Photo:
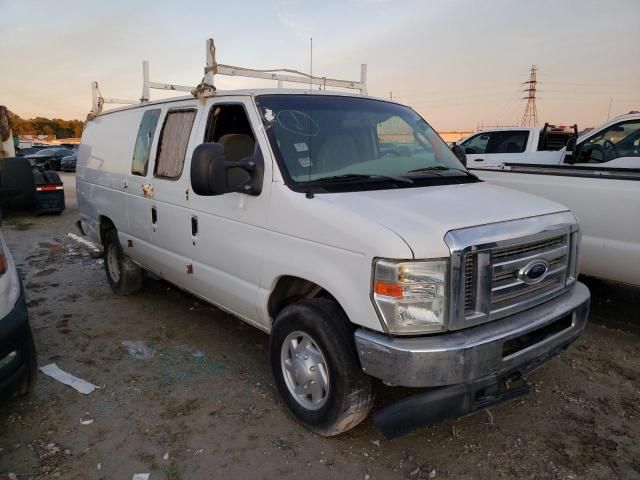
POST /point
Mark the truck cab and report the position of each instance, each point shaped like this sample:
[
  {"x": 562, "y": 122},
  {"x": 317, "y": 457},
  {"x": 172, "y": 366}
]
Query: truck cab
[
  {"x": 615, "y": 144},
  {"x": 493, "y": 148}
]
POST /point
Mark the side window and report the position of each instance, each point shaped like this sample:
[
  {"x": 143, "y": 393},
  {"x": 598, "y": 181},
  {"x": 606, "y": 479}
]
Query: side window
[
  {"x": 144, "y": 140},
  {"x": 172, "y": 146},
  {"x": 229, "y": 126},
  {"x": 508, "y": 142},
  {"x": 620, "y": 140},
  {"x": 477, "y": 144}
]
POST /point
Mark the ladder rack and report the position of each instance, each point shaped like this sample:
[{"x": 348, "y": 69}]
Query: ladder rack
[{"x": 207, "y": 87}]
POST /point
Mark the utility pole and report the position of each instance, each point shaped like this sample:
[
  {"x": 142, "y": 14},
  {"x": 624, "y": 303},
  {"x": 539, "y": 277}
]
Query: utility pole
[{"x": 530, "y": 117}]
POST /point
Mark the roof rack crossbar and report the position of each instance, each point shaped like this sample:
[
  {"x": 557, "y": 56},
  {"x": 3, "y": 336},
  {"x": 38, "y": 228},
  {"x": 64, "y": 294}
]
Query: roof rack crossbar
[{"x": 212, "y": 68}]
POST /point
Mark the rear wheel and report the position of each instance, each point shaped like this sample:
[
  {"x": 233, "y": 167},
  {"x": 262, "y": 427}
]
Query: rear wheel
[
  {"x": 125, "y": 277},
  {"x": 316, "y": 367}
]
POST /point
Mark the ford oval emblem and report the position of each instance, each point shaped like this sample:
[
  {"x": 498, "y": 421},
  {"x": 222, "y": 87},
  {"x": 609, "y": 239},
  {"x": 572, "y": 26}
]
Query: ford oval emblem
[{"x": 534, "y": 272}]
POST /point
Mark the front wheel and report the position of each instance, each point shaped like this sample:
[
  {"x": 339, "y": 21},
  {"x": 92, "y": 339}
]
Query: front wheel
[
  {"x": 125, "y": 277},
  {"x": 316, "y": 367}
]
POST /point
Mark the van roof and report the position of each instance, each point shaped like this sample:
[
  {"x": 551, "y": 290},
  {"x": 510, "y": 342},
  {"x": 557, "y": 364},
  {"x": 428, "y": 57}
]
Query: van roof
[{"x": 253, "y": 92}]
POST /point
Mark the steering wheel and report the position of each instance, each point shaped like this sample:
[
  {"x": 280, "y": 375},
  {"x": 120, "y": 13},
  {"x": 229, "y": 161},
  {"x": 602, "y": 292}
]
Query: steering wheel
[{"x": 609, "y": 150}]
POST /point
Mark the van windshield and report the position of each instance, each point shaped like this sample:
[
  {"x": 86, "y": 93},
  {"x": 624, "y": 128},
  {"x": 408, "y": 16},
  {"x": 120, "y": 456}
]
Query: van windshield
[{"x": 324, "y": 140}]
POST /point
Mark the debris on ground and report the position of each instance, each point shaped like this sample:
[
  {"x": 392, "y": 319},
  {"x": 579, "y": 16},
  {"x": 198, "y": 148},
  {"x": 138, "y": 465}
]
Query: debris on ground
[
  {"x": 138, "y": 349},
  {"x": 80, "y": 385}
]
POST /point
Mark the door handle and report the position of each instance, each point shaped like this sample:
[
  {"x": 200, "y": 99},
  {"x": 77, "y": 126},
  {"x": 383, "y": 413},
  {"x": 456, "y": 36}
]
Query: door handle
[
  {"x": 154, "y": 215},
  {"x": 478, "y": 159},
  {"x": 194, "y": 226}
]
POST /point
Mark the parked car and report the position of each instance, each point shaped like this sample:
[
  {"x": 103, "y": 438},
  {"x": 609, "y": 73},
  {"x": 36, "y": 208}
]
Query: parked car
[
  {"x": 494, "y": 147},
  {"x": 49, "y": 158},
  {"x": 601, "y": 185},
  {"x": 23, "y": 152},
  {"x": 362, "y": 260},
  {"x": 18, "y": 365},
  {"x": 68, "y": 163}
]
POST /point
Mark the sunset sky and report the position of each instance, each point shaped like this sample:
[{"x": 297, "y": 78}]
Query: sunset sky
[{"x": 458, "y": 63}]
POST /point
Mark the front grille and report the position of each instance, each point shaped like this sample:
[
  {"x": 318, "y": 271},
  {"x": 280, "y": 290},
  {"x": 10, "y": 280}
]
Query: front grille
[
  {"x": 469, "y": 281},
  {"x": 506, "y": 290}
]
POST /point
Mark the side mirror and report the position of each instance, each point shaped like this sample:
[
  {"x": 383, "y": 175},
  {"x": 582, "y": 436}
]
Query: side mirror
[
  {"x": 210, "y": 171},
  {"x": 570, "y": 147},
  {"x": 459, "y": 152}
]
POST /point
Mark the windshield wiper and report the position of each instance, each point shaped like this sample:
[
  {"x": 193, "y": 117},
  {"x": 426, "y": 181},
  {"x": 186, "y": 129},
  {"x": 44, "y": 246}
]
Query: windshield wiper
[
  {"x": 354, "y": 177},
  {"x": 441, "y": 169}
]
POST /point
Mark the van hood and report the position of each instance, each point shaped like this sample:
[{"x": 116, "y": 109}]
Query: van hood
[{"x": 423, "y": 216}]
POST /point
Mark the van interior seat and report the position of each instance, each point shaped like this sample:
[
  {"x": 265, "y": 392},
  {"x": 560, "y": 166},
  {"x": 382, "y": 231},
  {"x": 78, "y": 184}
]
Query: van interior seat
[
  {"x": 338, "y": 151},
  {"x": 236, "y": 147}
]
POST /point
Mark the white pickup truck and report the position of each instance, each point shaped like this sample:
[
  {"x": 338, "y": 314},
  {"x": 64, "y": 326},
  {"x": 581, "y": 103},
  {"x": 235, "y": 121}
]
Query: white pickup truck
[
  {"x": 494, "y": 147},
  {"x": 601, "y": 185},
  {"x": 344, "y": 227}
]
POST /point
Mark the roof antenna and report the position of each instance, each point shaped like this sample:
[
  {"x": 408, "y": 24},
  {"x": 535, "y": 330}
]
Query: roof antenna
[{"x": 311, "y": 66}]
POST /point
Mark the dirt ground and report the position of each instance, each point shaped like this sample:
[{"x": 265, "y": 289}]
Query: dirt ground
[{"x": 199, "y": 402}]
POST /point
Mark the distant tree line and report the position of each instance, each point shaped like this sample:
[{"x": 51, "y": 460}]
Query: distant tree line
[{"x": 46, "y": 126}]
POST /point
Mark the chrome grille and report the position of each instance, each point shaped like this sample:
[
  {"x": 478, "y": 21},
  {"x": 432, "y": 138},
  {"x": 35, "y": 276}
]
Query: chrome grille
[
  {"x": 509, "y": 290},
  {"x": 469, "y": 281}
]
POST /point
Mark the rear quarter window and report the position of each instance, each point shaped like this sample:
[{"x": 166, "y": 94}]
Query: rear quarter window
[
  {"x": 144, "y": 140},
  {"x": 173, "y": 143}
]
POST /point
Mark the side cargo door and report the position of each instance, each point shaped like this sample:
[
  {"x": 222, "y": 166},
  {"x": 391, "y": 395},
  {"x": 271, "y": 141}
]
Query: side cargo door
[
  {"x": 170, "y": 235},
  {"x": 137, "y": 188}
]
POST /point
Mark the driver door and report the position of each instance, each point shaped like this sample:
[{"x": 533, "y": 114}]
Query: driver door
[
  {"x": 476, "y": 148},
  {"x": 617, "y": 146}
]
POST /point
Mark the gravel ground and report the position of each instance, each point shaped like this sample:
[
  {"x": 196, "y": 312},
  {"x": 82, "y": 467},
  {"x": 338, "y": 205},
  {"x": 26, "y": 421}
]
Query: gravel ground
[{"x": 194, "y": 398}]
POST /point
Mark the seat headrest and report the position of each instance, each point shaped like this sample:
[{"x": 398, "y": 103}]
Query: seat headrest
[{"x": 237, "y": 146}]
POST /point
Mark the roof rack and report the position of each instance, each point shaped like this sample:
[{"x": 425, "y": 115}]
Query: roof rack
[{"x": 207, "y": 87}]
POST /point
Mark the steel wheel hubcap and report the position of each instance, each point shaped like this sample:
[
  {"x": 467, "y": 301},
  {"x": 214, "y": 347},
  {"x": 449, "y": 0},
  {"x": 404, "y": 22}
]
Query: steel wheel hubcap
[
  {"x": 305, "y": 370},
  {"x": 112, "y": 263}
]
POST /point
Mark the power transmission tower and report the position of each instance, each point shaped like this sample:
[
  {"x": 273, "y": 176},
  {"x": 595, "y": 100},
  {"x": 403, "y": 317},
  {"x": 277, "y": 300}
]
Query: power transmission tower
[{"x": 530, "y": 117}]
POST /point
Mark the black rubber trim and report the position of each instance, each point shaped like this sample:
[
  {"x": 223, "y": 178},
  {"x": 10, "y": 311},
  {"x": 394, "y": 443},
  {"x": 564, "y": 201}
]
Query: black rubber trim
[{"x": 439, "y": 404}]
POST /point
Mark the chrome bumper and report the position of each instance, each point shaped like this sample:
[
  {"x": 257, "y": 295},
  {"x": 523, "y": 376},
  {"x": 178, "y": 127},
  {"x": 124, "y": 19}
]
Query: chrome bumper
[{"x": 471, "y": 354}]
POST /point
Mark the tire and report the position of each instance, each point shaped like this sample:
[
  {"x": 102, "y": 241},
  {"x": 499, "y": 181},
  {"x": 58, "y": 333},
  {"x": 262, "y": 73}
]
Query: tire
[
  {"x": 348, "y": 396},
  {"x": 124, "y": 276},
  {"x": 30, "y": 380}
]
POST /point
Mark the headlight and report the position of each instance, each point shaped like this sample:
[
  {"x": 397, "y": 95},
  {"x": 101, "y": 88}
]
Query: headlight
[{"x": 410, "y": 296}]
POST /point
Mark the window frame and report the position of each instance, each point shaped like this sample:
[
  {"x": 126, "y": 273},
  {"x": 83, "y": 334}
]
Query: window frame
[
  {"x": 470, "y": 139},
  {"x": 159, "y": 146},
  {"x": 601, "y": 135},
  {"x": 155, "y": 129},
  {"x": 508, "y": 132},
  {"x": 223, "y": 103}
]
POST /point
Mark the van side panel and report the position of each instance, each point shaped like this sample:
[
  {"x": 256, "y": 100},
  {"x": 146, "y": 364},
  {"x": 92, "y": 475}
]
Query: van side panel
[{"x": 104, "y": 160}]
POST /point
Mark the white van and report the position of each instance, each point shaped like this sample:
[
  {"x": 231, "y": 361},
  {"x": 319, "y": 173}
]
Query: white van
[{"x": 345, "y": 227}]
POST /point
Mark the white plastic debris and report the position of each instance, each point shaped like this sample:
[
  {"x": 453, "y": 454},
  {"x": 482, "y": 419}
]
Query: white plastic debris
[
  {"x": 165, "y": 456},
  {"x": 80, "y": 385},
  {"x": 84, "y": 241},
  {"x": 140, "y": 476},
  {"x": 138, "y": 349},
  {"x": 86, "y": 422}
]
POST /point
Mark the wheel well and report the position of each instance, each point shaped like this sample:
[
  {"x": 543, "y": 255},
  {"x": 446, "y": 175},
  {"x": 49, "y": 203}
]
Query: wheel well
[
  {"x": 105, "y": 225},
  {"x": 290, "y": 289}
]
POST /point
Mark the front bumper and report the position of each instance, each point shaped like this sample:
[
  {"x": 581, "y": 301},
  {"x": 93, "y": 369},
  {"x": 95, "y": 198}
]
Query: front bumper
[
  {"x": 511, "y": 344},
  {"x": 17, "y": 353}
]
